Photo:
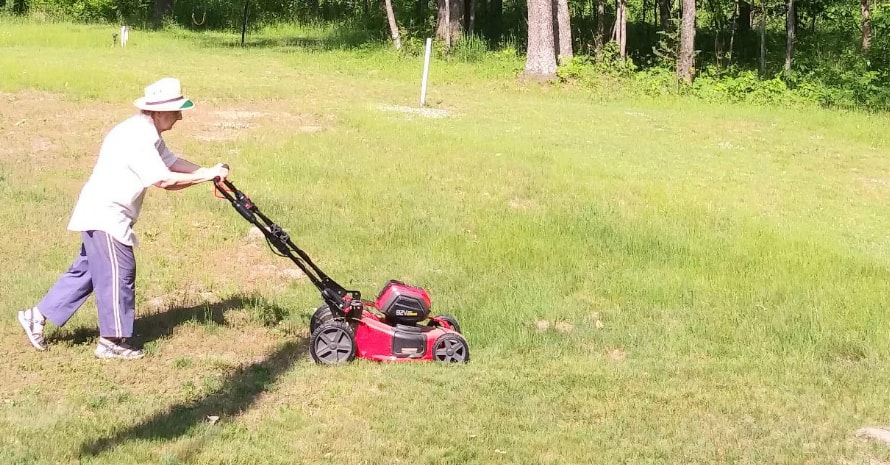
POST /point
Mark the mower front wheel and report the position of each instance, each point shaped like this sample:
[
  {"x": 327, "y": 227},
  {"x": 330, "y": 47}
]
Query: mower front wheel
[
  {"x": 332, "y": 342},
  {"x": 451, "y": 348}
]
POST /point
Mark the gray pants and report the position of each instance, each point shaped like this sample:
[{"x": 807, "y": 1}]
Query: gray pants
[{"x": 106, "y": 267}]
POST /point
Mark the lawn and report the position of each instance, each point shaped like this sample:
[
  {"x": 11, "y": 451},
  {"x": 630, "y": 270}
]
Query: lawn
[{"x": 641, "y": 280}]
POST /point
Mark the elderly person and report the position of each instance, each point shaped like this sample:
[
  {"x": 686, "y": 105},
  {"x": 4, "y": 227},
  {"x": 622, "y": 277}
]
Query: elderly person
[{"x": 133, "y": 158}]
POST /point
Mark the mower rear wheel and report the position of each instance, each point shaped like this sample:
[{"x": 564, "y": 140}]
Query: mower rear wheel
[
  {"x": 451, "y": 348},
  {"x": 332, "y": 343},
  {"x": 447, "y": 318},
  {"x": 322, "y": 314}
]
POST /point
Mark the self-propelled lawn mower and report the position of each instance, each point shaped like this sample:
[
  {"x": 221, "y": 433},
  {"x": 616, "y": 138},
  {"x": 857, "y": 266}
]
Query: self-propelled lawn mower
[{"x": 396, "y": 326}]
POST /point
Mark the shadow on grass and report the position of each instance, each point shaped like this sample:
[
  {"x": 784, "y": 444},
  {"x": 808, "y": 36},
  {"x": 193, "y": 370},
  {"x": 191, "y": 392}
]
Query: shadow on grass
[
  {"x": 338, "y": 39},
  {"x": 155, "y": 326},
  {"x": 239, "y": 390}
]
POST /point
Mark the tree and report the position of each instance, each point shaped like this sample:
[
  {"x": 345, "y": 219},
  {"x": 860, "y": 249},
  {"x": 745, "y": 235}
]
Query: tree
[
  {"x": 600, "y": 36},
  {"x": 540, "y": 60},
  {"x": 449, "y": 14},
  {"x": 495, "y": 20},
  {"x": 790, "y": 32},
  {"x": 563, "y": 31},
  {"x": 686, "y": 59},
  {"x": 664, "y": 14},
  {"x": 163, "y": 8},
  {"x": 620, "y": 33},
  {"x": 865, "y": 10},
  {"x": 393, "y": 26},
  {"x": 762, "y": 38}
]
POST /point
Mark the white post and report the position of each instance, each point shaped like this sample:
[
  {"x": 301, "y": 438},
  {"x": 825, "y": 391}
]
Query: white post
[
  {"x": 426, "y": 70},
  {"x": 125, "y": 35}
]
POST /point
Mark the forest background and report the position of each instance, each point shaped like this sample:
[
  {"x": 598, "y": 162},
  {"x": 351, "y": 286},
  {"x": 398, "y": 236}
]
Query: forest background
[{"x": 831, "y": 53}]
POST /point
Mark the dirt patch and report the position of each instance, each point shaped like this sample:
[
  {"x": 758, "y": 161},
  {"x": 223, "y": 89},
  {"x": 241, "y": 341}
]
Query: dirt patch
[
  {"x": 258, "y": 269},
  {"x": 214, "y": 125},
  {"x": 522, "y": 204},
  {"x": 46, "y": 129},
  {"x": 424, "y": 112}
]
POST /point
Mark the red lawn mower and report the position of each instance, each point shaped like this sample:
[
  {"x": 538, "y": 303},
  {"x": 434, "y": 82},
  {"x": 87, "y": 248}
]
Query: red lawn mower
[{"x": 395, "y": 327}]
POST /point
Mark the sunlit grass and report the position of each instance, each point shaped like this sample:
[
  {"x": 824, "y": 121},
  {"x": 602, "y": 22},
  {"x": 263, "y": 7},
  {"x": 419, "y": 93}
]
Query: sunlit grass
[{"x": 641, "y": 281}]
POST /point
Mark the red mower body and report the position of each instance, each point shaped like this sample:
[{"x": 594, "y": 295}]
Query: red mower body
[
  {"x": 380, "y": 341},
  {"x": 396, "y": 327}
]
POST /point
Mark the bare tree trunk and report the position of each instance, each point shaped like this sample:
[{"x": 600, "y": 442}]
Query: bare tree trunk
[
  {"x": 393, "y": 26},
  {"x": 494, "y": 19},
  {"x": 664, "y": 14},
  {"x": 600, "y": 26},
  {"x": 449, "y": 33},
  {"x": 420, "y": 10},
  {"x": 865, "y": 9},
  {"x": 563, "y": 31},
  {"x": 790, "y": 30},
  {"x": 163, "y": 8},
  {"x": 620, "y": 30},
  {"x": 471, "y": 16},
  {"x": 686, "y": 58},
  {"x": 762, "y": 38},
  {"x": 541, "y": 51},
  {"x": 743, "y": 16},
  {"x": 735, "y": 26},
  {"x": 449, "y": 14}
]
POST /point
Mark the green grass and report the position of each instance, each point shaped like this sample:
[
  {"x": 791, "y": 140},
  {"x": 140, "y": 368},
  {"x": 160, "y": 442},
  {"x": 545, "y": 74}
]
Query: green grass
[{"x": 714, "y": 278}]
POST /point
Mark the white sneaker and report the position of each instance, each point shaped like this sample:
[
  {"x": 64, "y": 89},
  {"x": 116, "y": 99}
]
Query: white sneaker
[
  {"x": 33, "y": 322},
  {"x": 110, "y": 349}
]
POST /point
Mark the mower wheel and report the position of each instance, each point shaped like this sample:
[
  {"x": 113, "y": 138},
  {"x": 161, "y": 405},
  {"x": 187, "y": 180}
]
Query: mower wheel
[
  {"x": 332, "y": 343},
  {"x": 322, "y": 314},
  {"x": 448, "y": 318},
  {"x": 451, "y": 348}
]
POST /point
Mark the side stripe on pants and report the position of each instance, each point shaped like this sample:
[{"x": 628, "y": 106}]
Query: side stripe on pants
[{"x": 105, "y": 267}]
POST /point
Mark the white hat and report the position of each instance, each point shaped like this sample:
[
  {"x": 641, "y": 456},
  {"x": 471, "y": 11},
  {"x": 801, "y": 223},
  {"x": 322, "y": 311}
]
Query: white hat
[{"x": 164, "y": 95}]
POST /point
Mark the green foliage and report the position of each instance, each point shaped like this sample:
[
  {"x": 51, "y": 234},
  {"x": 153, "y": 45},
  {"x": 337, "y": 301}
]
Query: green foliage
[
  {"x": 667, "y": 49},
  {"x": 588, "y": 69},
  {"x": 469, "y": 49},
  {"x": 93, "y": 11}
]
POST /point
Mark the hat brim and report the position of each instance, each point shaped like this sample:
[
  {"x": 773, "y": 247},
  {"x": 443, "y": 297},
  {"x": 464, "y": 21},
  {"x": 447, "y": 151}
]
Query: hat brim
[{"x": 176, "y": 105}]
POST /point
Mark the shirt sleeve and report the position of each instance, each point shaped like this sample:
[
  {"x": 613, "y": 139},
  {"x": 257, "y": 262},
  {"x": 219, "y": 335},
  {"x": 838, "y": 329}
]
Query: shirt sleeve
[
  {"x": 148, "y": 164},
  {"x": 167, "y": 156}
]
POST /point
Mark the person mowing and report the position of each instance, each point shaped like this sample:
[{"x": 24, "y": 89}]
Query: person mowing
[{"x": 133, "y": 157}]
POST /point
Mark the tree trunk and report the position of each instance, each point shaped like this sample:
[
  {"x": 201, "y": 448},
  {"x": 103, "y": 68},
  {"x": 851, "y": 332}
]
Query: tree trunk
[
  {"x": 621, "y": 26},
  {"x": 540, "y": 59},
  {"x": 790, "y": 30},
  {"x": 735, "y": 28},
  {"x": 470, "y": 19},
  {"x": 686, "y": 59},
  {"x": 494, "y": 20},
  {"x": 743, "y": 16},
  {"x": 393, "y": 26},
  {"x": 163, "y": 8},
  {"x": 664, "y": 14},
  {"x": 449, "y": 14},
  {"x": 420, "y": 10},
  {"x": 563, "y": 31},
  {"x": 762, "y": 38},
  {"x": 600, "y": 38},
  {"x": 865, "y": 9}
]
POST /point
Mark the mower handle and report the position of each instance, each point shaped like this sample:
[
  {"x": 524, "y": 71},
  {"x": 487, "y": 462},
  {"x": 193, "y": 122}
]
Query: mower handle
[
  {"x": 216, "y": 178},
  {"x": 333, "y": 293}
]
